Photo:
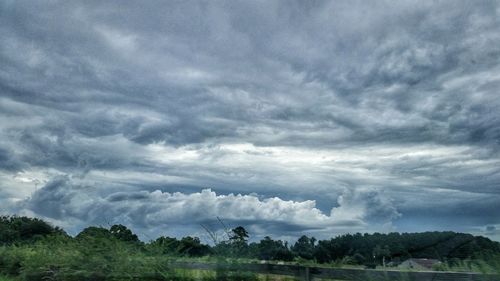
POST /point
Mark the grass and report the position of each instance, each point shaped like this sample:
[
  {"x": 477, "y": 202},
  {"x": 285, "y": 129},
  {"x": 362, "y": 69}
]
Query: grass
[
  {"x": 59, "y": 259},
  {"x": 7, "y": 278}
]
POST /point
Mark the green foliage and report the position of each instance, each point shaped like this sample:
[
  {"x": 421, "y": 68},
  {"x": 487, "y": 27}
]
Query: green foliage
[
  {"x": 304, "y": 247},
  {"x": 6, "y": 278},
  {"x": 32, "y": 250},
  {"x": 395, "y": 246},
  {"x": 164, "y": 245},
  {"x": 122, "y": 233},
  {"x": 24, "y": 229},
  {"x": 10, "y": 259},
  {"x": 94, "y": 232},
  {"x": 239, "y": 234},
  {"x": 187, "y": 246},
  {"x": 191, "y": 246},
  {"x": 91, "y": 258},
  {"x": 269, "y": 249},
  {"x": 488, "y": 264}
]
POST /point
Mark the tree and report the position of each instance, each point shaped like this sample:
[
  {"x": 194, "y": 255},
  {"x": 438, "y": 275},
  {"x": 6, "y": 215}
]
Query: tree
[
  {"x": 122, "y": 233},
  {"x": 379, "y": 253},
  {"x": 269, "y": 249},
  {"x": 165, "y": 245},
  {"x": 358, "y": 258},
  {"x": 94, "y": 232},
  {"x": 24, "y": 229},
  {"x": 239, "y": 234},
  {"x": 191, "y": 246},
  {"x": 304, "y": 247},
  {"x": 237, "y": 245}
]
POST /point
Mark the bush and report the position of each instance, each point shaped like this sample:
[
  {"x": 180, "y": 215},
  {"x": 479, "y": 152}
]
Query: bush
[
  {"x": 11, "y": 259},
  {"x": 89, "y": 258}
]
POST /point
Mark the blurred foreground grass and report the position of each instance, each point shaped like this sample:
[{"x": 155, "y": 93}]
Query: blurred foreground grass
[{"x": 61, "y": 258}]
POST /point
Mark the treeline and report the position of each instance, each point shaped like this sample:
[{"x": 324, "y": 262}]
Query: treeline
[
  {"x": 28, "y": 245},
  {"x": 355, "y": 248},
  {"x": 364, "y": 249}
]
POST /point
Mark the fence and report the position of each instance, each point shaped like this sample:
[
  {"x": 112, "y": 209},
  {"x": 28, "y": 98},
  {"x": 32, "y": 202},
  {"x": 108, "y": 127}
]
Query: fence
[{"x": 306, "y": 273}]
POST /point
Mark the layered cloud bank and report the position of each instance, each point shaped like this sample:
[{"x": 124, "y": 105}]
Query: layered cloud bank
[
  {"x": 74, "y": 205},
  {"x": 325, "y": 117}
]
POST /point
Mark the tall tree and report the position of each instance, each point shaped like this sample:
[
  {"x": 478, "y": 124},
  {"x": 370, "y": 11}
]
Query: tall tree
[
  {"x": 239, "y": 234},
  {"x": 304, "y": 247}
]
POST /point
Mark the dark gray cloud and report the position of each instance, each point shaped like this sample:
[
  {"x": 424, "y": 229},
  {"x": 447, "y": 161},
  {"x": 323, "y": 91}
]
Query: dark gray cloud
[
  {"x": 65, "y": 199},
  {"x": 385, "y": 105},
  {"x": 8, "y": 160}
]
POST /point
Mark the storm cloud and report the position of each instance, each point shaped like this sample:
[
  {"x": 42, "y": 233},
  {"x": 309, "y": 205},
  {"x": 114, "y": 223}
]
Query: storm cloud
[
  {"x": 64, "y": 200},
  {"x": 284, "y": 116}
]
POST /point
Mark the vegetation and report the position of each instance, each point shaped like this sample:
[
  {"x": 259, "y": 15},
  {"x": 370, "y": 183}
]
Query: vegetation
[{"x": 31, "y": 249}]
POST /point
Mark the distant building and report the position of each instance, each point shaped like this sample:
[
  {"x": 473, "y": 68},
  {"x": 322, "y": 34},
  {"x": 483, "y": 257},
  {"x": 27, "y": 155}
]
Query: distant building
[{"x": 418, "y": 264}]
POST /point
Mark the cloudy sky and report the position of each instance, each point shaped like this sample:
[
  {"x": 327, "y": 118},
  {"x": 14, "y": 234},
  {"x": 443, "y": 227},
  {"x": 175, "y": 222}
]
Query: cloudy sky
[{"x": 286, "y": 117}]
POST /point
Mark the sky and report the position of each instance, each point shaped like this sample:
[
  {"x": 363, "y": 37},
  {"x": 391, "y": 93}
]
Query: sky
[{"x": 285, "y": 117}]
